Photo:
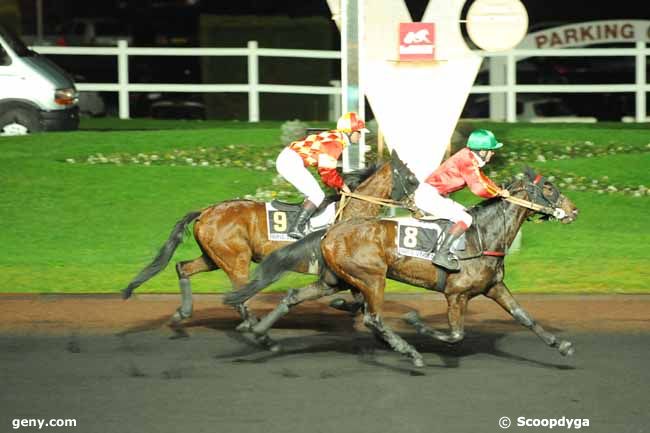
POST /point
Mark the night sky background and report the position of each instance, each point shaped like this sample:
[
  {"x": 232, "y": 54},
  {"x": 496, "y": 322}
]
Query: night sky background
[
  {"x": 540, "y": 11},
  {"x": 147, "y": 19}
]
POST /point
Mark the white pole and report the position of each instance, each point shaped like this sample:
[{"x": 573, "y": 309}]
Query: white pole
[
  {"x": 344, "y": 56},
  {"x": 362, "y": 96},
  {"x": 640, "y": 82},
  {"x": 253, "y": 83},
  {"x": 345, "y": 61},
  {"x": 335, "y": 102},
  {"x": 123, "y": 78},
  {"x": 511, "y": 94}
]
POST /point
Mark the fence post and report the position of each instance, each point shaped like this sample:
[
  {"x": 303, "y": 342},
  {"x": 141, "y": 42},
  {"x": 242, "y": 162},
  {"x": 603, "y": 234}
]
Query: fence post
[
  {"x": 511, "y": 93},
  {"x": 640, "y": 82},
  {"x": 253, "y": 81},
  {"x": 335, "y": 102},
  {"x": 123, "y": 79}
]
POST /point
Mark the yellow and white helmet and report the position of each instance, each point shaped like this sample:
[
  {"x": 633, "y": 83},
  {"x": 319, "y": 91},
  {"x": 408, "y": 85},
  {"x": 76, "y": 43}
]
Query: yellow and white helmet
[{"x": 350, "y": 123}]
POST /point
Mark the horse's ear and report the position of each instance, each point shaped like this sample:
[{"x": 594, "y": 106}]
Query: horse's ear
[{"x": 530, "y": 173}]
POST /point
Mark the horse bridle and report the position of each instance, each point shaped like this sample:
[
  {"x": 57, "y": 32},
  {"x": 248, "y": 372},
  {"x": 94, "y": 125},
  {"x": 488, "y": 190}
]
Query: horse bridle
[
  {"x": 535, "y": 191},
  {"x": 537, "y": 200}
]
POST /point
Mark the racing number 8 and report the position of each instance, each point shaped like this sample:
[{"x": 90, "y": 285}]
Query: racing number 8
[
  {"x": 280, "y": 221},
  {"x": 410, "y": 237}
]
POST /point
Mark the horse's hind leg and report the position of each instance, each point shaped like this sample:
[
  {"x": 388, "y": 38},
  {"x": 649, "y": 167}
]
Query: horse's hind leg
[
  {"x": 185, "y": 270},
  {"x": 457, "y": 306},
  {"x": 500, "y": 293},
  {"x": 294, "y": 297},
  {"x": 351, "y": 307}
]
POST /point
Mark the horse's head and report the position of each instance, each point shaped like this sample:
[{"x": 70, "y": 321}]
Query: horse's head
[{"x": 540, "y": 191}]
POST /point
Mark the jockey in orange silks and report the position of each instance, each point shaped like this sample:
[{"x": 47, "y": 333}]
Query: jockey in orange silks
[{"x": 322, "y": 151}]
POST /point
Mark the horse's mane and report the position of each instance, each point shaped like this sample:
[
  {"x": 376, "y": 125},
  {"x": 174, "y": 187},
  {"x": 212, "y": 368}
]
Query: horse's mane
[{"x": 355, "y": 178}]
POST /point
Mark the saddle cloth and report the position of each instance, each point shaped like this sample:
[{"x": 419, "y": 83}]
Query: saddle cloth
[
  {"x": 418, "y": 238},
  {"x": 280, "y": 216}
]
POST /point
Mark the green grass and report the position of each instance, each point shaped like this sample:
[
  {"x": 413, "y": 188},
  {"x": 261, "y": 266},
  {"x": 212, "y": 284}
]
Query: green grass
[
  {"x": 91, "y": 228},
  {"x": 627, "y": 169}
]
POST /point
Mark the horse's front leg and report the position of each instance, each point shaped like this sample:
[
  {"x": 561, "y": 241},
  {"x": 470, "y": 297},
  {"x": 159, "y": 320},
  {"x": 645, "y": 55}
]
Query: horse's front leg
[
  {"x": 500, "y": 293},
  {"x": 294, "y": 297},
  {"x": 457, "y": 306}
]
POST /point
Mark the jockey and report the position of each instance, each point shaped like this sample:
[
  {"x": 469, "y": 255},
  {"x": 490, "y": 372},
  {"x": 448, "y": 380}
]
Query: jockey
[
  {"x": 460, "y": 170},
  {"x": 318, "y": 150}
]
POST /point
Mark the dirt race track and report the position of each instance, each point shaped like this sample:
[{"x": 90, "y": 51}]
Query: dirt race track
[{"x": 110, "y": 365}]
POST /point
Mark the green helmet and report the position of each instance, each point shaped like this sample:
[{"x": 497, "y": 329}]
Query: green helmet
[{"x": 482, "y": 139}]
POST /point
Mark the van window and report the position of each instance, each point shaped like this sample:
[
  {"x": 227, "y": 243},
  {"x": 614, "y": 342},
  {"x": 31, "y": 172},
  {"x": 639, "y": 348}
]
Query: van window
[
  {"x": 15, "y": 43},
  {"x": 5, "y": 60}
]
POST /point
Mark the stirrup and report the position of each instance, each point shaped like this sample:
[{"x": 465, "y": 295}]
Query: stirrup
[
  {"x": 296, "y": 234},
  {"x": 447, "y": 261}
]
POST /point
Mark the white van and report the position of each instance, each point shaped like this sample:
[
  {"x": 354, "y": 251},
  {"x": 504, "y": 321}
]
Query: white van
[{"x": 35, "y": 94}]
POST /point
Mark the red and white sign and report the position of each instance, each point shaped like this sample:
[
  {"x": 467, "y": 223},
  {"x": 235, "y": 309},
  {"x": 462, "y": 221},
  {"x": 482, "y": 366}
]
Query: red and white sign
[{"x": 417, "y": 41}]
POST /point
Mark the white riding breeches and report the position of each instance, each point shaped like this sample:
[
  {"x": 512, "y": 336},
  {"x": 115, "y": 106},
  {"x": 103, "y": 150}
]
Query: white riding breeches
[
  {"x": 290, "y": 166},
  {"x": 429, "y": 200}
]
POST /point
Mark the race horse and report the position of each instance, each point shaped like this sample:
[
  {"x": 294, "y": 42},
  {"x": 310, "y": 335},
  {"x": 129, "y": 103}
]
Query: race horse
[
  {"x": 233, "y": 233},
  {"x": 360, "y": 254}
]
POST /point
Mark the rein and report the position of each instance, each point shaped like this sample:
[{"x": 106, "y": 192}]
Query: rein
[
  {"x": 555, "y": 212},
  {"x": 347, "y": 196},
  {"x": 530, "y": 205}
]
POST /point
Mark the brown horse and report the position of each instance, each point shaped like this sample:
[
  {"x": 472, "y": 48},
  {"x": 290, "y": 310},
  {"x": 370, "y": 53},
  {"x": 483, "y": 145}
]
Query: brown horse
[
  {"x": 362, "y": 253},
  {"x": 233, "y": 233}
]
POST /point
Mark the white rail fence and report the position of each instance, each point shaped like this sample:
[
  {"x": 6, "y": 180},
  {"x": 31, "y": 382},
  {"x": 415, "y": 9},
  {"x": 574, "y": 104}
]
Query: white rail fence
[{"x": 253, "y": 87}]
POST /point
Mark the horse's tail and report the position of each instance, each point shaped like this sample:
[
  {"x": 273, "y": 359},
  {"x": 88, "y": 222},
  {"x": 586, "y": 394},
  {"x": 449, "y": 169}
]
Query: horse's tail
[
  {"x": 164, "y": 255},
  {"x": 276, "y": 264}
]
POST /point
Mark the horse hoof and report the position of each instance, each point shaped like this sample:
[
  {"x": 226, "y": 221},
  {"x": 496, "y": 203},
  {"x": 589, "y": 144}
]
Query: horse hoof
[
  {"x": 245, "y": 326},
  {"x": 179, "y": 317},
  {"x": 268, "y": 343},
  {"x": 412, "y": 318},
  {"x": 338, "y": 303},
  {"x": 343, "y": 305},
  {"x": 418, "y": 362},
  {"x": 566, "y": 348},
  {"x": 178, "y": 331}
]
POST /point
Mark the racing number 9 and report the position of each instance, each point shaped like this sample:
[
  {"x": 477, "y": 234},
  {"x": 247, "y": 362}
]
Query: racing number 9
[{"x": 279, "y": 221}]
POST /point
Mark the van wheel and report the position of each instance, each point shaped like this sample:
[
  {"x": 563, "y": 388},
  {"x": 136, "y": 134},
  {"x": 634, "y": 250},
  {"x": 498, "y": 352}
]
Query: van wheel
[{"x": 19, "y": 121}]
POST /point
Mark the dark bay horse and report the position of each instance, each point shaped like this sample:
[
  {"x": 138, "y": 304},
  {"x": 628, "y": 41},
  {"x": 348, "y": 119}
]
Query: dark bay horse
[
  {"x": 362, "y": 253},
  {"x": 233, "y": 233}
]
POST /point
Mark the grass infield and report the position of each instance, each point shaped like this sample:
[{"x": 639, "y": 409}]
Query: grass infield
[{"x": 84, "y": 211}]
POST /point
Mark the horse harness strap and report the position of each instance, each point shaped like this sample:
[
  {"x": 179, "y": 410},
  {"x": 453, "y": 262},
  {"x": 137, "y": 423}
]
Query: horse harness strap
[{"x": 483, "y": 252}]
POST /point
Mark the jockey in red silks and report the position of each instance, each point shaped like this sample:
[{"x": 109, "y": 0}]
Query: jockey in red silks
[
  {"x": 460, "y": 170},
  {"x": 318, "y": 150}
]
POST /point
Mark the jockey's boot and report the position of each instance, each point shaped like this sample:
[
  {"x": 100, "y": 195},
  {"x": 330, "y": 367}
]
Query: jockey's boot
[
  {"x": 297, "y": 230},
  {"x": 444, "y": 257}
]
